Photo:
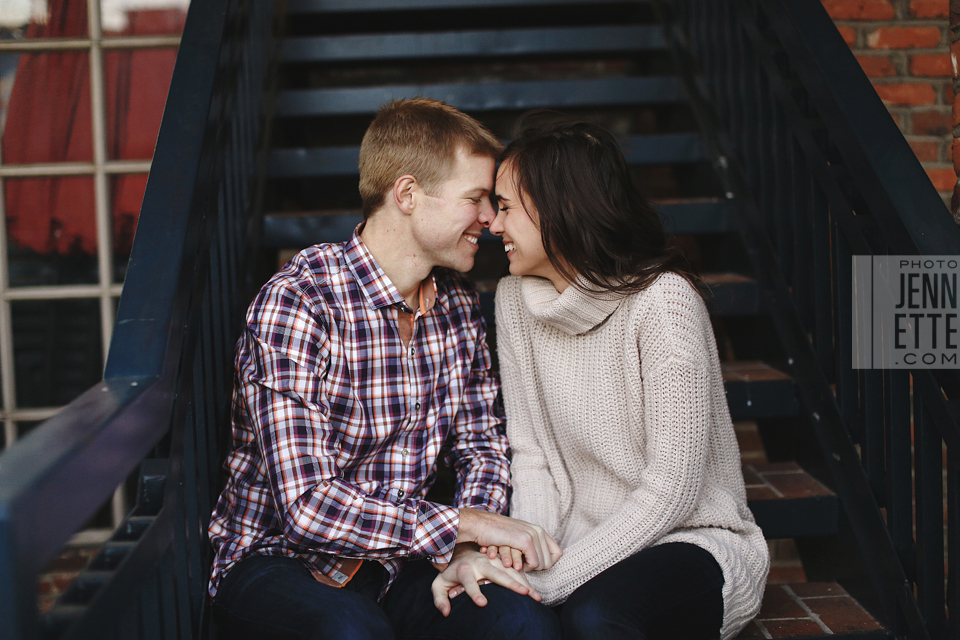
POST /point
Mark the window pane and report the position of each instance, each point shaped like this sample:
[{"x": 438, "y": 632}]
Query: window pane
[
  {"x": 51, "y": 231},
  {"x": 143, "y": 17},
  {"x": 44, "y": 18},
  {"x": 126, "y": 197},
  {"x": 47, "y": 118},
  {"x": 137, "y": 82},
  {"x": 56, "y": 350}
]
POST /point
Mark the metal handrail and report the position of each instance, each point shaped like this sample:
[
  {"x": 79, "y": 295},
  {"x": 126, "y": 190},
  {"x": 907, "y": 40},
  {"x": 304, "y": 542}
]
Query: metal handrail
[
  {"x": 167, "y": 380},
  {"x": 819, "y": 172}
]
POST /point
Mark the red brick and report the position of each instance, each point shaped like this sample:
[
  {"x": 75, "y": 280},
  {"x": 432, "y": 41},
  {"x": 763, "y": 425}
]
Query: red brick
[
  {"x": 948, "y": 93},
  {"x": 931, "y": 64},
  {"x": 793, "y": 628},
  {"x": 956, "y": 155},
  {"x": 44, "y": 586},
  {"x": 62, "y": 580},
  {"x": 849, "y": 35},
  {"x": 777, "y": 603},
  {"x": 944, "y": 179},
  {"x": 903, "y": 37},
  {"x": 925, "y": 150},
  {"x": 876, "y": 66},
  {"x": 906, "y": 93},
  {"x": 842, "y": 615},
  {"x": 817, "y": 589},
  {"x": 931, "y": 123},
  {"x": 859, "y": 9},
  {"x": 930, "y": 8},
  {"x": 750, "y": 632}
]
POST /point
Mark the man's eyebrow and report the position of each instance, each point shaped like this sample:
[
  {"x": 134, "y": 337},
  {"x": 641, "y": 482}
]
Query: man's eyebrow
[{"x": 476, "y": 191}]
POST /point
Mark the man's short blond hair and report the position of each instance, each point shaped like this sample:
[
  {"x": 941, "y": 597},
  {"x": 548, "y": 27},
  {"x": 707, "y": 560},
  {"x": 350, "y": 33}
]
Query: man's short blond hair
[{"x": 418, "y": 137}]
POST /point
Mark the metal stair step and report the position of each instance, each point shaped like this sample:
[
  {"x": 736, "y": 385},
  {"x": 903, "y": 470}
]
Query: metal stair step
[
  {"x": 486, "y": 96},
  {"x": 287, "y": 231},
  {"x": 788, "y": 502},
  {"x": 757, "y": 390},
  {"x": 461, "y": 44},
  {"x": 812, "y": 610},
  {"x": 300, "y": 7},
  {"x": 731, "y": 294},
  {"x": 664, "y": 148}
]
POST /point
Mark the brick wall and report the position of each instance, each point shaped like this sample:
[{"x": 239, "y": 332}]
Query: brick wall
[{"x": 904, "y": 48}]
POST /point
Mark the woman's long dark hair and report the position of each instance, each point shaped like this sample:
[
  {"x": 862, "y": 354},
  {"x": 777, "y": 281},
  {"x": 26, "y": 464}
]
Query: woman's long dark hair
[{"x": 593, "y": 221}]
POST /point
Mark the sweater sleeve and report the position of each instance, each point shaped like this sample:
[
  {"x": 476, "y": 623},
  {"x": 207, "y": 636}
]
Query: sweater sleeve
[
  {"x": 535, "y": 497},
  {"x": 675, "y": 358}
]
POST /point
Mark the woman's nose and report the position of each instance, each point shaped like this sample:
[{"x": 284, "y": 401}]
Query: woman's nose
[{"x": 496, "y": 227}]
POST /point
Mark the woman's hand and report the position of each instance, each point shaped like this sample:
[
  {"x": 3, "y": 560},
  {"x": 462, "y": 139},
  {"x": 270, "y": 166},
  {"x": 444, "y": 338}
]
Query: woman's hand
[{"x": 468, "y": 569}]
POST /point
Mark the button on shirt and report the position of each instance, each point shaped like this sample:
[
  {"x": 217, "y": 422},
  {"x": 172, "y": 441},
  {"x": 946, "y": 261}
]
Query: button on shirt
[{"x": 337, "y": 426}]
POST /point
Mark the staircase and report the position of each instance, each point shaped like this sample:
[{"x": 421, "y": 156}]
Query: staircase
[
  {"x": 748, "y": 122},
  {"x": 610, "y": 63}
]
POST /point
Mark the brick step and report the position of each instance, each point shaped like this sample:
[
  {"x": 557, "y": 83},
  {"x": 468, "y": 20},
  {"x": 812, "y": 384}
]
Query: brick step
[
  {"x": 788, "y": 502},
  {"x": 812, "y": 610}
]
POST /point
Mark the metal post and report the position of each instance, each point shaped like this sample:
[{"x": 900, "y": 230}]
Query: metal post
[{"x": 954, "y": 53}]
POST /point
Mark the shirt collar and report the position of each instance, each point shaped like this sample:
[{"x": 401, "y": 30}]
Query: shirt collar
[{"x": 374, "y": 282}]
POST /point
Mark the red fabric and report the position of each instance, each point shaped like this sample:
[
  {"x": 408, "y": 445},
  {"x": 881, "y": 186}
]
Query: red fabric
[{"x": 49, "y": 120}]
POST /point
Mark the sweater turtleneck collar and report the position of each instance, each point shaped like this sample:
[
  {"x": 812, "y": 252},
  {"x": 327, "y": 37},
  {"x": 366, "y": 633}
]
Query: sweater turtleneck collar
[{"x": 574, "y": 311}]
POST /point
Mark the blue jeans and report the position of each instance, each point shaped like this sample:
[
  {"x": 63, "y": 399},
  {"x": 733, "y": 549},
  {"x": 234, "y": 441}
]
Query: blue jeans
[
  {"x": 670, "y": 591},
  {"x": 266, "y": 597}
]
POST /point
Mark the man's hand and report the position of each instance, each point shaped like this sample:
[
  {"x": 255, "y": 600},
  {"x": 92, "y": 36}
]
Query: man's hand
[
  {"x": 489, "y": 529},
  {"x": 468, "y": 569}
]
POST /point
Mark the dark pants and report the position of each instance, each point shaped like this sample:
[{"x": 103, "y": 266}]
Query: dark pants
[
  {"x": 274, "y": 597},
  {"x": 670, "y": 591}
]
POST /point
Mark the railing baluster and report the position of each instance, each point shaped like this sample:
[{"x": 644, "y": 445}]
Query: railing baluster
[
  {"x": 824, "y": 310},
  {"x": 900, "y": 476},
  {"x": 929, "y": 506}
]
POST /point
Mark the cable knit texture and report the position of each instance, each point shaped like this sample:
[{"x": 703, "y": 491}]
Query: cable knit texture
[{"x": 621, "y": 434}]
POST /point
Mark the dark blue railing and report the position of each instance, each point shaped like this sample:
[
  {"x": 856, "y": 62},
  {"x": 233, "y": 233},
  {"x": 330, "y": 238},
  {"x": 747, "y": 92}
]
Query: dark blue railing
[
  {"x": 166, "y": 386},
  {"x": 820, "y": 172}
]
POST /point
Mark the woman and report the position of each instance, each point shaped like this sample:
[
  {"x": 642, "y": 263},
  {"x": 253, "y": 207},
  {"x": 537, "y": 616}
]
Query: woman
[{"x": 623, "y": 447}]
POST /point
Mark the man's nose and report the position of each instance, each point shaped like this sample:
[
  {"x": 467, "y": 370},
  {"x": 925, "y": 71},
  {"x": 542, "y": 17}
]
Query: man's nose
[{"x": 487, "y": 213}]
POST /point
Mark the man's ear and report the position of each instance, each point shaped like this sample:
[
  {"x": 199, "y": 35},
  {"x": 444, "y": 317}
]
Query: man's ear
[{"x": 404, "y": 193}]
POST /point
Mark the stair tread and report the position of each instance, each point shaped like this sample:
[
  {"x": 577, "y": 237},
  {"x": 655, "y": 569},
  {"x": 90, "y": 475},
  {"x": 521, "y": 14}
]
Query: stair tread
[
  {"x": 487, "y": 96},
  {"x": 296, "y": 229},
  {"x": 295, "y": 7},
  {"x": 750, "y": 371},
  {"x": 781, "y": 481},
  {"x": 660, "y": 148},
  {"x": 469, "y": 43},
  {"x": 811, "y": 610}
]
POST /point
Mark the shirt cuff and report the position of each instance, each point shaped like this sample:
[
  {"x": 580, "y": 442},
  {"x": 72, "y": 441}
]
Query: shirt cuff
[{"x": 436, "y": 533}]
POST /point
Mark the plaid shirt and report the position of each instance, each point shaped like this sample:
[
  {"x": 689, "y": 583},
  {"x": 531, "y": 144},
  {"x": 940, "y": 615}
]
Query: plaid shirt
[{"x": 337, "y": 427}]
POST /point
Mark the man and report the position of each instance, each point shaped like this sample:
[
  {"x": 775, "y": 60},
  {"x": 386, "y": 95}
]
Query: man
[{"x": 357, "y": 363}]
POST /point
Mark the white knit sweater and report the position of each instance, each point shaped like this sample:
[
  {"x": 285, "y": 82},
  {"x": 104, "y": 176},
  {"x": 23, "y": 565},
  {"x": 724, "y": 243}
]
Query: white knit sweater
[{"x": 621, "y": 434}]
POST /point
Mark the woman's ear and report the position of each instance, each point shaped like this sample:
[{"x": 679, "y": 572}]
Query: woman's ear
[{"x": 404, "y": 193}]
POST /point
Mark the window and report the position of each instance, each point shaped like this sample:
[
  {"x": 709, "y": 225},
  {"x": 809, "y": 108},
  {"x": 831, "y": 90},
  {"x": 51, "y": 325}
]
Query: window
[{"x": 82, "y": 89}]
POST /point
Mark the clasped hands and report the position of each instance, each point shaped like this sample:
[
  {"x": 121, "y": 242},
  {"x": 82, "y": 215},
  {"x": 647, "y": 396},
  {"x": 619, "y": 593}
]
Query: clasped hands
[{"x": 481, "y": 538}]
